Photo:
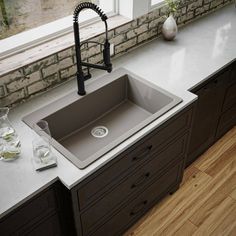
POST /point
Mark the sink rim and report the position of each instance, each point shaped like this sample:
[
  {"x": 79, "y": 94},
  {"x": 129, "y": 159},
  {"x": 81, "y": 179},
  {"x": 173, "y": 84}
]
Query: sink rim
[{"x": 72, "y": 97}]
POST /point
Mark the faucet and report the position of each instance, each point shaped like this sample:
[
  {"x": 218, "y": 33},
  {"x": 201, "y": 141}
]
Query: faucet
[{"x": 106, "y": 47}]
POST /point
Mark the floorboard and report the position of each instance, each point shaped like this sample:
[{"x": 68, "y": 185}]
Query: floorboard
[{"x": 187, "y": 229}]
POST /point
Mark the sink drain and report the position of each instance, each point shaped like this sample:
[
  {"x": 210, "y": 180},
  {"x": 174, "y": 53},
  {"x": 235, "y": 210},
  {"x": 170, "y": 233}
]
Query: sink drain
[{"x": 99, "y": 131}]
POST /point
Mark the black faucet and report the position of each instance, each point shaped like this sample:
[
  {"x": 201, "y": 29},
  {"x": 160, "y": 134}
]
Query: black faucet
[{"x": 106, "y": 50}]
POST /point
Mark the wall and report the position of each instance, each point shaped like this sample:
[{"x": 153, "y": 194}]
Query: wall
[{"x": 38, "y": 77}]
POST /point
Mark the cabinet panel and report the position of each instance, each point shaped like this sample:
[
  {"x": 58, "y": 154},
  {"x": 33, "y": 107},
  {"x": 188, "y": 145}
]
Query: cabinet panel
[
  {"x": 44, "y": 204},
  {"x": 230, "y": 97},
  {"x": 48, "y": 227},
  {"x": 227, "y": 121},
  {"x": 137, "y": 206},
  {"x": 141, "y": 152},
  {"x": 209, "y": 104},
  {"x": 134, "y": 184},
  {"x": 47, "y": 213},
  {"x": 228, "y": 115}
]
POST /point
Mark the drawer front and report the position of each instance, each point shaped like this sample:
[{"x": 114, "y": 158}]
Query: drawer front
[
  {"x": 111, "y": 174},
  {"x": 137, "y": 206},
  {"x": 134, "y": 184},
  {"x": 41, "y": 205},
  {"x": 230, "y": 97},
  {"x": 227, "y": 121}
]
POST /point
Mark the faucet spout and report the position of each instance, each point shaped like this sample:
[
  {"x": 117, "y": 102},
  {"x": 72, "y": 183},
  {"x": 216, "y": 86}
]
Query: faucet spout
[{"x": 106, "y": 47}]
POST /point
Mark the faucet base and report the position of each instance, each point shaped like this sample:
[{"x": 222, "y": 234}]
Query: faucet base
[{"x": 82, "y": 93}]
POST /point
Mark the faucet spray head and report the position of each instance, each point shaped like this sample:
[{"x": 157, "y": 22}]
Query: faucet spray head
[{"x": 88, "y": 5}]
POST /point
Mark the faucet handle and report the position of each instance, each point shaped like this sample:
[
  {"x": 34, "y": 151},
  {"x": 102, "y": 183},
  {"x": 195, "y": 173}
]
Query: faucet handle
[{"x": 106, "y": 56}]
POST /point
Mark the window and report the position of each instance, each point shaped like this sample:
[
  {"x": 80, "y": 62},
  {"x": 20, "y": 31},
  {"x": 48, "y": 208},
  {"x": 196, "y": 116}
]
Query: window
[
  {"x": 25, "y": 23},
  {"x": 28, "y": 23},
  {"x": 21, "y": 15}
]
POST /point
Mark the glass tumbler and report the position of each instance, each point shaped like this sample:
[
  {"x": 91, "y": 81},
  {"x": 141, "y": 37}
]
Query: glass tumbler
[
  {"x": 42, "y": 143},
  {"x": 10, "y": 146}
]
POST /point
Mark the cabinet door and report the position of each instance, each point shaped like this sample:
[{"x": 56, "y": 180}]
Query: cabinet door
[
  {"x": 210, "y": 99},
  {"x": 30, "y": 212},
  {"x": 228, "y": 116},
  {"x": 47, "y": 213},
  {"x": 230, "y": 95},
  {"x": 48, "y": 227}
]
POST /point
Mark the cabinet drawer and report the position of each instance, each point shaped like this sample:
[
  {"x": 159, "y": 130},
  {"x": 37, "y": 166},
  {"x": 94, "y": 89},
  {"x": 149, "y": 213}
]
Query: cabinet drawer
[
  {"x": 98, "y": 184},
  {"x": 134, "y": 184},
  {"x": 35, "y": 208},
  {"x": 140, "y": 204},
  {"x": 230, "y": 97}
]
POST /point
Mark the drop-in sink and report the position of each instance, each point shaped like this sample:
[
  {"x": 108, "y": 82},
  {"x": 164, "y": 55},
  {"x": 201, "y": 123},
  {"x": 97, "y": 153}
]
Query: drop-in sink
[{"x": 116, "y": 106}]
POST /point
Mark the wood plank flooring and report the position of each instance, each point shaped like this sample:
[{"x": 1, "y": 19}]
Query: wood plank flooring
[{"x": 205, "y": 204}]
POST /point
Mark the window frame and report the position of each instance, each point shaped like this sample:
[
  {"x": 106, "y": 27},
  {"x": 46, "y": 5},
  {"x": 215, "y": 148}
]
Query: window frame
[
  {"x": 159, "y": 4},
  {"x": 136, "y": 11}
]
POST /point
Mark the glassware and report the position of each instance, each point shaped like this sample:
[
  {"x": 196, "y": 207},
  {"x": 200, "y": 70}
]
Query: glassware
[
  {"x": 9, "y": 140},
  {"x": 42, "y": 143}
]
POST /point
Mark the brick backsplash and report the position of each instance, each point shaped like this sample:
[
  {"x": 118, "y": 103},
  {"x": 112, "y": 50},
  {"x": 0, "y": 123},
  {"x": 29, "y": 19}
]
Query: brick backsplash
[{"x": 28, "y": 81}]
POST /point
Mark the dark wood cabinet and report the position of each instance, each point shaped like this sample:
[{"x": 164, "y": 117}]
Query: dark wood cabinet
[
  {"x": 111, "y": 199},
  {"x": 133, "y": 184},
  {"x": 48, "y": 213},
  {"x": 132, "y": 210},
  {"x": 215, "y": 111},
  {"x": 49, "y": 226}
]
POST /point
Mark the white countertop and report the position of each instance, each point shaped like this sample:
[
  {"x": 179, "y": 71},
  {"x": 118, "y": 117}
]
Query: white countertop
[{"x": 200, "y": 49}]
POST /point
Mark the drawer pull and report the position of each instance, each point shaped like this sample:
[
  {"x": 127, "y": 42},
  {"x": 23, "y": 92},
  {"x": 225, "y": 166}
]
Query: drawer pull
[
  {"x": 141, "y": 180},
  {"x": 142, "y": 155},
  {"x": 138, "y": 208}
]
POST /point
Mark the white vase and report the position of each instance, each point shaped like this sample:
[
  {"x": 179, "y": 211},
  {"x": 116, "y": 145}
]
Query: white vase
[{"x": 169, "y": 28}]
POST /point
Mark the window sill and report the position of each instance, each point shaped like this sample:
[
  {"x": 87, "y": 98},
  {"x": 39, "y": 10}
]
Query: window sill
[{"x": 39, "y": 52}]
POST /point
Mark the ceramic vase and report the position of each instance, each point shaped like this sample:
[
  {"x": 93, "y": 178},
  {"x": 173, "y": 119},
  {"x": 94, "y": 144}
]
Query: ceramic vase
[{"x": 169, "y": 28}]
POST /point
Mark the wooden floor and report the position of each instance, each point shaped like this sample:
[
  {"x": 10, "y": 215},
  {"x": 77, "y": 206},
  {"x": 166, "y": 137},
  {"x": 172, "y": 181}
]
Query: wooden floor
[{"x": 205, "y": 204}]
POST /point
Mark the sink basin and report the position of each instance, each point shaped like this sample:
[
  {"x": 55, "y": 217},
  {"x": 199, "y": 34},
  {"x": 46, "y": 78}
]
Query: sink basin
[{"x": 116, "y": 106}]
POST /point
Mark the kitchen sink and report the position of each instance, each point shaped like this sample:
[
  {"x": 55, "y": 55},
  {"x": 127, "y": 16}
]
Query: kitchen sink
[{"x": 115, "y": 107}]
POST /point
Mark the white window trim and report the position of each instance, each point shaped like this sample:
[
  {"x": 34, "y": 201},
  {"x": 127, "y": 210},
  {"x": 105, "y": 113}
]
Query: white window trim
[
  {"x": 152, "y": 7},
  {"x": 47, "y": 32},
  {"x": 136, "y": 8}
]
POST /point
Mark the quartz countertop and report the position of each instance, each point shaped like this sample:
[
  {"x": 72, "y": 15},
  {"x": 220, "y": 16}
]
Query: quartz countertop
[{"x": 200, "y": 49}]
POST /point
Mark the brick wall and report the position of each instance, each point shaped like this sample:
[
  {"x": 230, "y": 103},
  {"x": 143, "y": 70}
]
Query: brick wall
[{"x": 28, "y": 81}]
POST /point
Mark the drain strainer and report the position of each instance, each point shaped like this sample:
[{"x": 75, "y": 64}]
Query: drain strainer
[{"x": 99, "y": 131}]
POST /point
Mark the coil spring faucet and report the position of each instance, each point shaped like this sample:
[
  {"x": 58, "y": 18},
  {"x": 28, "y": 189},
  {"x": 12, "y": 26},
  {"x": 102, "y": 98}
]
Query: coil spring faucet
[{"x": 106, "y": 50}]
